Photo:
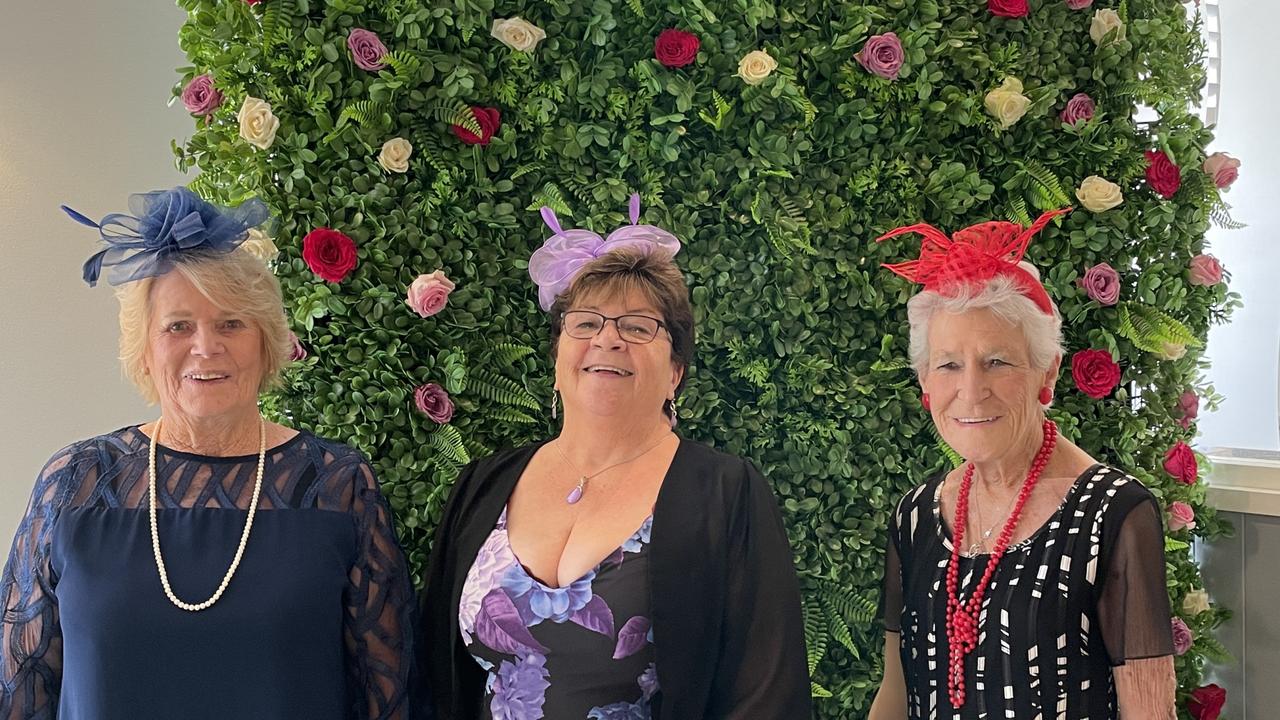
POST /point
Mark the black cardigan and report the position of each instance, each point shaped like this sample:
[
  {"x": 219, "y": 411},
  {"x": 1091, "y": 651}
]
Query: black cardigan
[{"x": 727, "y": 625}]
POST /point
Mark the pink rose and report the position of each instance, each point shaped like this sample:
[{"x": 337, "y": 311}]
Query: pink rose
[
  {"x": 1008, "y": 8},
  {"x": 1205, "y": 270},
  {"x": 1079, "y": 107},
  {"x": 1181, "y": 516},
  {"x": 200, "y": 96},
  {"x": 1180, "y": 462},
  {"x": 1189, "y": 406},
  {"x": 366, "y": 49},
  {"x": 1102, "y": 283},
  {"x": 882, "y": 55},
  {"x": 1181, "y": 637},
  {"x": 298, "y": 353},
  {"x": 1223, "y": 168},
  {"x": 432, "y": 401},
  {"x": 1078, "y": 4},
  {"x": 429, "y": 293}
]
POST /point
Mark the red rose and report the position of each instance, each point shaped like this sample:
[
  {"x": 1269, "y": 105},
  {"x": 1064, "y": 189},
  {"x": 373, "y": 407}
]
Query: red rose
[
  {"x": 489, "y": 121},
  {"x": 1008, "y": 8},
  {"x": 1095, "y": 373},
  {"x": 329, "y": 253},
  {"x": 1162, "y": 175},
  {"x": 1206, "y": 702},
  {"x": 1180, "y": 462},
  {"x": 252, "y": 2},
  {"x": 675, "y": 48}
]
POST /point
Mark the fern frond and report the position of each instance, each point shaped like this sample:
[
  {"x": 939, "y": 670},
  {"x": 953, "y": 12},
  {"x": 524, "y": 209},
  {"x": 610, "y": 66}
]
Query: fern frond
[
  {"x": 816, "y": 690},
  {"x": 637, "y": 7},
  {"x": 1221, "y": 216},
  {"x": 1018, "y": 212},
  {"x": 508, "y": 353},
  {"x": 457, "y": 113},
  {"x": 952, "y": 456},
  {"x": 404, "y": 64},
  {"x": 815, "y": 632},
  {"x": 447, "y": 441},
  {"x": 274, "y": 19},
  {"x": 550, "y": 196},
  {"x": 1151, "y": 330},
  {"x": 509, "y": 414},
  {"x": 367, "y": 114},
  {"x": 501, "y": 390},
  {"x": 525, "y": 170},
  {"x": 1047, "y": 184}
]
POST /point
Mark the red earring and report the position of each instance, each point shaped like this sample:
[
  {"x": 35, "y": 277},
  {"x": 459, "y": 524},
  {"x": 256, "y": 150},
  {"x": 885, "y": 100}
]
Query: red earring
[
  {"x": 924, "y": 400},
  {"x": 1046, "y": 396}
]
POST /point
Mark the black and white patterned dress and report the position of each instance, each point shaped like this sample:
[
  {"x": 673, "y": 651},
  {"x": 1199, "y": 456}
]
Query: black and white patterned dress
[{"x": 1082, "y": 594}]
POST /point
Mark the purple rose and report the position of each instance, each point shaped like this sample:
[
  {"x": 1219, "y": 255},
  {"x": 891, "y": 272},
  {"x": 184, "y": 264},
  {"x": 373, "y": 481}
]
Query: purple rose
[
  {"x": 1181, "y": 637},
  {"x": 882, "y": 55},
  {"x": 298, "y": 353},
  {"x": 434, "y": 402},
  {"x": 520, "y": 688},
  {"x": 1079, "y": 107},
  {"x": 366, "y": 49},
  {"x": 200, "y": 96},
  {"x": 1078, "y": 4},
  {"x": 1189, "y": 406},
  {"x": 1102, "y": 283}
]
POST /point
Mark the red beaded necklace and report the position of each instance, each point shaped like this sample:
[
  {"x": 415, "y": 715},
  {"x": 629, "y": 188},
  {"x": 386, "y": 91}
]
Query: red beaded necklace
[{"x": 962, "y": 618}]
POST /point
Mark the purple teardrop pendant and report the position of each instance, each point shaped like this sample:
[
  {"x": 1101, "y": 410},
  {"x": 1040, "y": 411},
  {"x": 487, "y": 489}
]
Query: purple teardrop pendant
[{"x": 576, "y": 494}]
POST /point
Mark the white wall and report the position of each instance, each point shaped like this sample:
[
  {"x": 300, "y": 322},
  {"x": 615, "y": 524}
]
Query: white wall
[
  {"x": 83, "y": 121},
  {"x": 1246, "y": 353}
]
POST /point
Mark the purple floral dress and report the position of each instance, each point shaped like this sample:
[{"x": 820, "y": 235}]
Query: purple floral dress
[{"x": 584, "y": 650}]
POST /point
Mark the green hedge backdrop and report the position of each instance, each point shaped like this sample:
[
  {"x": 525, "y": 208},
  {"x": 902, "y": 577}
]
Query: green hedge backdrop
[{"x": 777, "y": 190}]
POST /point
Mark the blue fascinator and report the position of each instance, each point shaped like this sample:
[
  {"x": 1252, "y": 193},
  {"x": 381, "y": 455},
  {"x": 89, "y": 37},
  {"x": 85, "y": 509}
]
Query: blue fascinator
[{"x": 165, "y": 223}]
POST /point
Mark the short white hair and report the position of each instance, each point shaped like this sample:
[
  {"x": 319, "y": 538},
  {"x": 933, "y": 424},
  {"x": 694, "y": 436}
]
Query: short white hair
[{"x": 1002, "y": 296}]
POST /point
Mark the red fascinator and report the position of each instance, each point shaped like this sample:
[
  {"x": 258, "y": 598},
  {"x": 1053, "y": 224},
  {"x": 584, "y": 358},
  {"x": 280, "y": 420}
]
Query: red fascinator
[{"x": 973, "y": 256}]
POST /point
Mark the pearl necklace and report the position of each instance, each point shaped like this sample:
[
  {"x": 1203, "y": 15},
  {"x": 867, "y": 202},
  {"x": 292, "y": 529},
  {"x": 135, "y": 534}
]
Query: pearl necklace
[{"x": 244, "y": 537}]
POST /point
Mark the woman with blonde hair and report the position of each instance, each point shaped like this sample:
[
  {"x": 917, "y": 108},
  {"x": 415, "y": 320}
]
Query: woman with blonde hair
[{"x": 208, "y": 564}]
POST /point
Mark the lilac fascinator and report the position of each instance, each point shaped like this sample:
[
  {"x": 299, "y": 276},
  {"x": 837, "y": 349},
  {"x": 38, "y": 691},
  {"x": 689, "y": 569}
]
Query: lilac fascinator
[
  {"x": 554, "y": 265},
  {"x": 164, "y": 223}
]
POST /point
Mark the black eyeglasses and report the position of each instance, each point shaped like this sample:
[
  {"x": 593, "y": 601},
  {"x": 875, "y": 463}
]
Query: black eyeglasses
[{"x": 635, "y": 329}]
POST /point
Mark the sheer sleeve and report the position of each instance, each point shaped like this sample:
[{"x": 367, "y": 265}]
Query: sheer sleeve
[
  {"x": 378, "y": 609},
  {"x": 30, "y": 633},
  {"x": 1133, "y": 605},
  {"x": 891, "y": 588}
]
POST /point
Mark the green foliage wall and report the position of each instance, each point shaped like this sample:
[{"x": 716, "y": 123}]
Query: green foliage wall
[{"x": 777, "y": 191}]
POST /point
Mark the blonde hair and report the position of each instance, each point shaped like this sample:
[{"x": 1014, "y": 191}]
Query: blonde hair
[{"x": 235, "y": 281}]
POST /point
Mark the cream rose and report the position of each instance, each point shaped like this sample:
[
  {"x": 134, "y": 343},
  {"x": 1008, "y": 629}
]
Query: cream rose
[
  {"x": 260, "y": 246},
  {"x": 517, "y": 33},
  {"x": 1196, "y": 602},
  {"x": 1007, "y": 103},
  {"x": 755, "y": 66},
  {"x": 395, "y": 155},
  {"x": 1104, "y": 21},
  {"x": 1099, "y": 194},
  {"x": 257, "y": 124}
]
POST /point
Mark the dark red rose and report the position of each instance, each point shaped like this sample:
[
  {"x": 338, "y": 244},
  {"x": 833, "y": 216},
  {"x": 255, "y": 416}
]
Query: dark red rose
[
  {"x": 1162, "y": 175},
  {"x": 1008, "y": 8},
  {"x": 252, "y": 2},
  {"x": 1095, "y": 373},
  {"x": 1206, "y": 702},
  {"x": 1180, "y": 462},
  {"x": 675, "y": 48},
  {"x": 329, "y": 253},
  {"x": 489, "y": 120}
]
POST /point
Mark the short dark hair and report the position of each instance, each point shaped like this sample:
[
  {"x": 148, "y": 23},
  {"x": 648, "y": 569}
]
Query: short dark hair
[{"x": 651, "y": 274}]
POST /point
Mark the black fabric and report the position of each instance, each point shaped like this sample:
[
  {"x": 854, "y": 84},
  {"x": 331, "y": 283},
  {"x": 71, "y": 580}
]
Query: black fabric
[
  {"x": 1083, "y": 593},
  {"x": 727, "y": 622}
]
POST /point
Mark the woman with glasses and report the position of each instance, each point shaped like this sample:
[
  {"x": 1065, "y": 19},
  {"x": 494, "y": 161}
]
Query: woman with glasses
[{"x": 616, "y": 570}]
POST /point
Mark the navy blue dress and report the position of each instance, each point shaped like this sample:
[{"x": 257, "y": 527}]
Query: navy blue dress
[{"x": 315, "y": 624}]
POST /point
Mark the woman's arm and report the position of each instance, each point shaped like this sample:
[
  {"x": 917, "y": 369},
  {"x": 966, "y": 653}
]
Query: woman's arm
[
  {"x": 1146, "y": 689},
  {"x": 891, "y": 699}
]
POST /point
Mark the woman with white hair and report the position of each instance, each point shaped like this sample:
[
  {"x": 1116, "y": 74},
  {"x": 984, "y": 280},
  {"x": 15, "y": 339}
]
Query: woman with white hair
[
  {"x": 1030, "y": 581},
  {"x": 209, "y": 564}
]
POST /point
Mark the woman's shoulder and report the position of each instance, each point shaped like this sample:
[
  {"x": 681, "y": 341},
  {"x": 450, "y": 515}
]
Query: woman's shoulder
[
  {"x": 1116, "y": 490},
  {"x": 922, "y": 495},
  {"x": 82, "y": 462}
]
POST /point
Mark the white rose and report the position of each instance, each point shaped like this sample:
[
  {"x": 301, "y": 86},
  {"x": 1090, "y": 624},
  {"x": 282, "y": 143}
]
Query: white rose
[
  {"x": 1099, "y": 194},
  {"x": 395, "y": 155},
  {"x": 1104, "y": 21},
  {"x": 1007, "y": 103},
  {"x": 1196, "y": 602},
  {"x": 755, "y": 66},
  {"x": 517, "y": 34},
  {"x": 257, "y": 125},
  {"x": 260, "y": 246}
]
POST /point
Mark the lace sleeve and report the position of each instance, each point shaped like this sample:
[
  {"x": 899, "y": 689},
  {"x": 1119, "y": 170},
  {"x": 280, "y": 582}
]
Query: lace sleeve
[
  {"x": 891, "y": 589},
  {"x": 378, "y": 608},
  {"x": 30, "y": 633},
  {"x": 1133, "y": 605}
]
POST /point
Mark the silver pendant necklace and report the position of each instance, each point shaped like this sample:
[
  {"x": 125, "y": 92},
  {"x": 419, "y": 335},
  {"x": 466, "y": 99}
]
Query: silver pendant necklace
[{"x": 576, "y": 493}]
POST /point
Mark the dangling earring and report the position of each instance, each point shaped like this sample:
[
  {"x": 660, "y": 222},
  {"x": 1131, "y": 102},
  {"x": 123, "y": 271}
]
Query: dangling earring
[
  {"x": 924, "y": 400},
  {"x": 555, "y": 402},
  {"x": 1046, "y": 396},
  {"x": 672, "y": 415}
]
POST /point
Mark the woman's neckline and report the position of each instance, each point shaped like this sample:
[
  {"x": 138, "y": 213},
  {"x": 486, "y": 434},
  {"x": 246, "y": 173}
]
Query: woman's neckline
[{"x": 161, "y": 448}]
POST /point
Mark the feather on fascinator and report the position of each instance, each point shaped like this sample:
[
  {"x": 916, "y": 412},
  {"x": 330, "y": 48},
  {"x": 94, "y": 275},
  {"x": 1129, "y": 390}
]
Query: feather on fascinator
[
  {"x": 554, "y": 265},
  {"x": 974, "y": 255},
  {"x": 163, "y": 224}
]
